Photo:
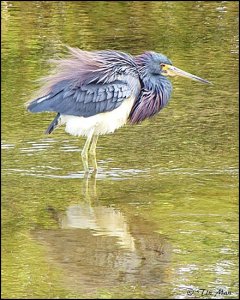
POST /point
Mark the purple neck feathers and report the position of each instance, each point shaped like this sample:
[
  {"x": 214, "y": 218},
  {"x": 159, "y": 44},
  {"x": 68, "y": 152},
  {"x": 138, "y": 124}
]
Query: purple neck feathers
[{"x": 155, "y": 93}]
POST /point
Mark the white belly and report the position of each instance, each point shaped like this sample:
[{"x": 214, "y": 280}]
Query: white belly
[{"x": 102, "y": 123}]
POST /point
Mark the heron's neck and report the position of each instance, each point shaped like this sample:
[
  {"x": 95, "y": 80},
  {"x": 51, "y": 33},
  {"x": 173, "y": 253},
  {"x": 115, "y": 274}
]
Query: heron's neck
[
  {"x": 158, "y": 85},
  {"x": 154, "y": 95}
]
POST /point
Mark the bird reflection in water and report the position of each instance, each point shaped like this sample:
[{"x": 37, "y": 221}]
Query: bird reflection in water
[
  {"x": 102, "y": 220},
  {"x": 100, "y": 246}
]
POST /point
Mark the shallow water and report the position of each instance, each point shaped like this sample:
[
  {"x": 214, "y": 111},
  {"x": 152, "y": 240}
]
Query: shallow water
[{"x": 160, "y": 218}]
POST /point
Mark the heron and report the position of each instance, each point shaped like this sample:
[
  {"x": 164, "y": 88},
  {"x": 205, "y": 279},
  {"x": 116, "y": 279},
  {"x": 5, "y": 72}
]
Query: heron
[{"x": 96, "y": 92}]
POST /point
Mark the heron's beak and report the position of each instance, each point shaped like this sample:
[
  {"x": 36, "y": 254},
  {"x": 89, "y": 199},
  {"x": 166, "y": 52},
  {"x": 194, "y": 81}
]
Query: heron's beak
[{"x": 173, "y": 71}]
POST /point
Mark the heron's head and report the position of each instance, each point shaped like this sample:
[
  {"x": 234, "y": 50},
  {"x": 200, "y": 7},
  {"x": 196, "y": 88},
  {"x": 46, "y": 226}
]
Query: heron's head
[{"x": 159, "y": 64}]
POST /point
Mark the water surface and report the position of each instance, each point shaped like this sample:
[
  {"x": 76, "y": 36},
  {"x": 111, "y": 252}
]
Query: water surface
[{"x": 160, "y": 218}]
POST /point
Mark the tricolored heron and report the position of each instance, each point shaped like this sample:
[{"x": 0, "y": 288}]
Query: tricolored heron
[{"x": 95, "y": 93}]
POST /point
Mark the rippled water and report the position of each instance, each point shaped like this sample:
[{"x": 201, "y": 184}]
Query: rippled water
[{"x": 160, "y": 218}]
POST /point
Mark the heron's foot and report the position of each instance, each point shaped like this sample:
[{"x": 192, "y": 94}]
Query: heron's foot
[
  {"x": 94, "y": 172},
  {"x": 93, "y": 162},
  {"x": 86, "y": 174}
]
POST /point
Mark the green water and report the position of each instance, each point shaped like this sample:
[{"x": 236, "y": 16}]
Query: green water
[{"x": 161, "y": 218}]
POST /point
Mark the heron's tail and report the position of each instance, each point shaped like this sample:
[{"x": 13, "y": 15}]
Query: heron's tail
[
  {"x": 53, "y": 124},
  {"x": 44, "y": 103},
  {"x": 40, "y": 104}
]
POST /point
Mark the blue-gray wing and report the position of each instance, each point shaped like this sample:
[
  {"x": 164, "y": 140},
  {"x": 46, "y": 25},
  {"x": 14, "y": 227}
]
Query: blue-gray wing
[
  {"x": 86, "y": 100},
  {"x": 89, "y": 83}
]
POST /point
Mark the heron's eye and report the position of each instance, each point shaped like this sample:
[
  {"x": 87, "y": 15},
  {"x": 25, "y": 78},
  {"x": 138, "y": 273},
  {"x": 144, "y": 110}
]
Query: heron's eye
[{"x": 163, "y": 69}]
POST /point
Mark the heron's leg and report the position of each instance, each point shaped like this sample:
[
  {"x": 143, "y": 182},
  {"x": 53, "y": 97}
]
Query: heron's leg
[
  {"x": 85, "y": 152},
  {"x": 89, "y": 190},
  {"x": 92, "y": 152}
]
